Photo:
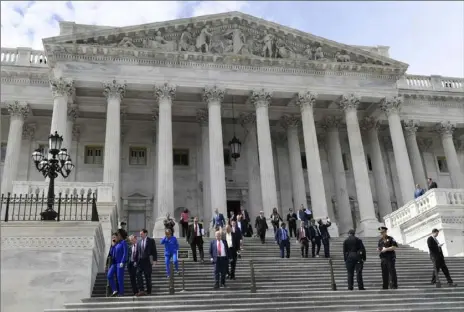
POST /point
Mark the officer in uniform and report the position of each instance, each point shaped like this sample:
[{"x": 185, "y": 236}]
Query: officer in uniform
[
  {"x": 354, "y": 254},
  {"x": 386, "y": 249}
]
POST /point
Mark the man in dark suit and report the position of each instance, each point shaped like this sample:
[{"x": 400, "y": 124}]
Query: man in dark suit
[
  {"x": 132, "y": 264},
  {"x": 245, "y": 219},
  {"x": 218, "y": 220},
  {"x": 147, "y": 257},
  {"x": 195, "y": 238},
  {"x": 315, "y": 236},
  {"x": 354, "y": 255},
  {"x": 261, "y": 226},
  {"x": 303, "y": 237},
  {"x": 219, "y": 253},
  {"x": 438, "y": 260},
  {"x": 291, "y": 220},
  {"x": 283, "y": 240},
  {"x": 234, "y": 239},
  {"x": 432, "y": 184},
  {"x": 325, "y": 236}
]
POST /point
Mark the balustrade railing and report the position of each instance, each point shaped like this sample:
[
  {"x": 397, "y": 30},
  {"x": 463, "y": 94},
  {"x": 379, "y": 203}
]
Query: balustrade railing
[
  {"x": 23, "y": 57},
  {"x": 432, "y": 83}
]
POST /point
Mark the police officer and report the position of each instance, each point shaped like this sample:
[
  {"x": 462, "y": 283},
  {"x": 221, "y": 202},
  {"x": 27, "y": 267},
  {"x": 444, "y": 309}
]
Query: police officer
[
  {"x": 354, "y": 254},
  {"x": 386, "y": 249}
]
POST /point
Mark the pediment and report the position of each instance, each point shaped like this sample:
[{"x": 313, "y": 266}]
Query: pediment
[{"x": 234, "y": 37}]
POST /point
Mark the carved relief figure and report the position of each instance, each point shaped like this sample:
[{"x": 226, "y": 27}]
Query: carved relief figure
[
  {"x": 318, "y": 54},
  {"x": 342, "y": 57},
  {"x": 237, "y": 40},
  {"x": 283, "y": 50},
  {"x": 204, "y": 39},
  {"x": 159, "y": 43},
  {"x": 268, "y": 41},
  {"x": 186, "y": 42},
  {"x": 308, "y": 52},
  {"x": 126, "y": 42}
]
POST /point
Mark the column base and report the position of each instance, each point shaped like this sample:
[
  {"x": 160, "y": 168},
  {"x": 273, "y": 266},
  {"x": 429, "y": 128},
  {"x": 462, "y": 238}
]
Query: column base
[
  {"x": 159, "y": 229},
  {"x": 334, "y": 231},
  {"x": 368, "y": 228}
]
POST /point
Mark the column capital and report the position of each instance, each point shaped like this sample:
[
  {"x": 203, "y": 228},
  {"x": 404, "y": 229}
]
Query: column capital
[
  {"x": 445, "y": 128},
  {"x": 247, "y": 120},
  {"x": 61, "y": 86},
  {"x": 202, "y": 117},
  {"x": 260, "y": 98},
  {"x": 349, "y": 102},
  {"x": 391, "y": 105},
  {"x": 73, "y": 113},
  {"x": 213, "y": 94},
  {"x": 410, "y": 126},
  {"x": 279, "y": 138},
  {"x": 331, "y": 123},
  {"x": 18, "y": 109},
  {"x": 424, "y": 144},
  {"x": 165, "y": 91},
  {"x": 29, "y": 131},
  {"x": 114, "y": 90},
  {"x": 290, "y": 122},
  {"x": 76, "y": 132},
  {"x": 306, "y": 99},
  {"x": 369, "y": 123},
  {"x": 155, "y": 114}
]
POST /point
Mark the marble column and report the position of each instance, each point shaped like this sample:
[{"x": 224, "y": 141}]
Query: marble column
[
  {"x": 214, "y": 96},
  {"x": 202, "y": 118},
  {"x": 282, "y": 171},
  {"x": 306, "y": 101},
  {"x": 370, "y": 127},
  {"x": 410, "y": 129},
  {"x": 18, "y": 112},
  {"x": 261, "y": 99},
  {"x": 154, "y": 132},
  {"x": 76, "y": 135},
  {"x": 29, "y": 135},
  {"x": 425, "y": 145},
  {"x": 446, "y": 129},
  {"x": 61, "y": 89},
  {"x": 114, "y": 93},
  {"x": 68, "y": 138},
  {"x": 165, "y": 94},
  {"x": 392, "y": 107},
  {"x": 368, "y": 223},
  {"x": 255, "y": 203},
  {"x": 331, "y": 124},
  {"x": 291, "y": 123}
]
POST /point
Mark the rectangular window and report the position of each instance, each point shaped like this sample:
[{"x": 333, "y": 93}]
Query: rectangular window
[
  {"x": 93, "y": 155},
  {"x": 181, "y": 157},
  {"x": 3, "y": 152},
  {"x": 304, "y": 164},
  {"x": 227, "y": 157},
  {"x": 369, "y": 162},
  {"x": 138, "y": 156},
  {"x": 442, "y": 164},
  {"x": 345, "y": 162}
]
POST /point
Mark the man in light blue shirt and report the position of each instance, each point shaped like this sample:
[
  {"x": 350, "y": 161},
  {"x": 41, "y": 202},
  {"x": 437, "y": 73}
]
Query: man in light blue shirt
[{"x": 283, "y": 240}]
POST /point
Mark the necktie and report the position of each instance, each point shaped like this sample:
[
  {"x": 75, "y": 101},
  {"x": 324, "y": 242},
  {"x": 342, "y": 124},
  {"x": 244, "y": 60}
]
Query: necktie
[
  {"x": 195, "y": 230},
  {"x": 134, "y": 250},
  {"x": 219, "y": 248}
]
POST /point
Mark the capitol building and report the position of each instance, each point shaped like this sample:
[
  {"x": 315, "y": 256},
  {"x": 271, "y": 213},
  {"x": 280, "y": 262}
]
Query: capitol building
[{"x": 229, "y": 110}]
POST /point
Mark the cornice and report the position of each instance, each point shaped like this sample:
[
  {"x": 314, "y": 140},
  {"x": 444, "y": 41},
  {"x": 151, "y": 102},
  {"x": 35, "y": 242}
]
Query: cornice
[{"x": 21, "y": 77}]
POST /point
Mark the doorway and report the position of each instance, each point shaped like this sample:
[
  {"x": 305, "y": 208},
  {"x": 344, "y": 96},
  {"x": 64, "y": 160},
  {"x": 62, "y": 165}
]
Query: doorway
[{"x": 233, "y": 205}]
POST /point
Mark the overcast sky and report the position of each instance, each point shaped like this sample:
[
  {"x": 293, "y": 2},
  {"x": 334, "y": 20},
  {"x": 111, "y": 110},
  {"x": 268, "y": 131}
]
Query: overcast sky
[{"x": 427, "y": 35}]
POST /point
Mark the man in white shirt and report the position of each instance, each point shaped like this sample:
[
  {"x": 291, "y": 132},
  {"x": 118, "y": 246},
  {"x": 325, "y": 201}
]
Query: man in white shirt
[{"x": 219, "y": 253}]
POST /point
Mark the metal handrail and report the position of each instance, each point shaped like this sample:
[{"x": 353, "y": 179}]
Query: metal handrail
[
  {"x": 171, "y": 279},
  {"x": 332, "y": 275},
  {"x": 253, "y": 277},
  {"x": 183, "y": 275}
]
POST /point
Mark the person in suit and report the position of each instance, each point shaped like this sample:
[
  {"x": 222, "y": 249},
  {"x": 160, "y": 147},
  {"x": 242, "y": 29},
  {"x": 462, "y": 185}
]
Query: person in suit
[
  {"x": 302, "y": 216},
  {"x": 233, "y": 239},
  {"x": 354, "y": 255},
  {"x": 325, "y": 236},
  {"x": 109, "y": 262},
  {"x": 146, "y": 258},
  {"x": 275, "y": 219},
  {"x": 245, "y": 219},
  {"x": 233, "y": 217},
  {"x": 184, "y": 221},
  {"x": 303, "y": 237},
  {"x": 171, "y": 247},
  {"x": 119, "y": 260},
  {"x": 169, "y": 223},
  {"x": 386, "y": 248},
  {"x": 132, "y": 264},
  {"x": 291, "y": 220},
  {"x": 315, "y": 236},
  {"x": 283, "y": 240},
  {"x": 438, "y": 260},
  {"x": 432, "y": 184},
  {"x": 261, "y": 226},
  {"x": 239, "y": 234},
  {"x": 195, "y": 239},
  {"x": 218, "y": 220},
  {"x": 219, "y": 253}
]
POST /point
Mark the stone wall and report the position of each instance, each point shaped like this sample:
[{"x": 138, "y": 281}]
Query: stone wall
[{"x": 62, "y": 258}]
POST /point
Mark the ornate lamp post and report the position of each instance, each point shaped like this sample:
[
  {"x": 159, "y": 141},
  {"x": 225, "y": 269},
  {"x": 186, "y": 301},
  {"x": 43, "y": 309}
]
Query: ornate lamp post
[
  {"x": 59, "y": 164},
  {"x": 234, "y": 144}
]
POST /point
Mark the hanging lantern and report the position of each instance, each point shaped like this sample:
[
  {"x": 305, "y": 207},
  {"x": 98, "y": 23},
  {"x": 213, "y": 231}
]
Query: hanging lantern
[{"x": 235, "y": 148}]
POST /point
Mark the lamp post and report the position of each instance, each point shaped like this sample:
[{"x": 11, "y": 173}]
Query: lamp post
[
  {"x": 59, "y": 164},
  {"x": 234, "y": 144}
]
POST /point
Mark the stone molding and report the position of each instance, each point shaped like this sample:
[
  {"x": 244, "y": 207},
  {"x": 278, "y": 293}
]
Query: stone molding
[
  {"x": 388, "y": 143},
  {"x": 458, "y": 144},
  {"x": 247, "y": 120},
  {"x": 290, "y": 121},
  {"x": 165, "y": 91},
  {"x": 279, "y": 138},
  {"x": 445, "y": 128},
  {"x": 213, "y": 95},
  {"x": 48, "y": 242},
  {"x": 391, "y": 105},
  {"x": 349, "y": 102},
  {"x": 61, "y": 87},
  {"x": 202, "y": 117},
  {"x": 73, "y": 113},
  {"x": 155, "y": 114},
  {"x": 331, "y": 123},
  {"x": 369, "y": 123},
  {"x": 306, "y": 99},
  {"x": 114, "y": 90},
  {"x": 321, "y": 141},
  {"x": 410, "y": 126},
  {"x": 424, "y": 144},
  {"x": 76, "y": 132},
  {"x": 29, "y": 131},
  {"x": 260, "y": 98},
  {"x": 19, "y": 109},
  {"x": 435, "y": 99}
]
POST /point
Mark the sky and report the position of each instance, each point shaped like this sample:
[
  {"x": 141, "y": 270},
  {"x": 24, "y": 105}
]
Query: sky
[{"x": 427, "y": 35}]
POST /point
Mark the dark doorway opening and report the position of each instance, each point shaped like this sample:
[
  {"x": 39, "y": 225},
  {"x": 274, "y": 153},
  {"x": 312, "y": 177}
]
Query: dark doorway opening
[{"x": 233, "y": 205}]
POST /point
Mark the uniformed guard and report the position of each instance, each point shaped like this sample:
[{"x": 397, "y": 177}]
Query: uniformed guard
[
  {"x": 354, "y": 254},
  {"x": 386, "y": 249}
]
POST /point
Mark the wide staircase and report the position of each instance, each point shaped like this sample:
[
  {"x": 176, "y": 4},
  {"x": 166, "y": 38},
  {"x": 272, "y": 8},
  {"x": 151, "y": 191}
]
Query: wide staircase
[{"x": 295, "y": 284}]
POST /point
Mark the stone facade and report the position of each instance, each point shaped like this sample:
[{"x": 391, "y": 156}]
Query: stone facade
[{"x": 167, "y": 98}]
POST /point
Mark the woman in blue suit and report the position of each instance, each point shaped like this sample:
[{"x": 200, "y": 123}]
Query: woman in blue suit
[
  {"x": 171, "y": 247},
  {"x": 119, "y": 259}
]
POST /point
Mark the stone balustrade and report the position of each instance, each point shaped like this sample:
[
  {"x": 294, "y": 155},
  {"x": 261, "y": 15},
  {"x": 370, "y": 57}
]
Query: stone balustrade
[
  {"x": 432, "y": 83},
  {"x": 23, "y": 57},
  {"x": 102, "y": 191}
]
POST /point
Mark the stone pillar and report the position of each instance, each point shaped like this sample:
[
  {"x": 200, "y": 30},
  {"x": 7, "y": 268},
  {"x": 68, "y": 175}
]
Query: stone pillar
[
  {"x": 282, "y": 171},
  {"x": 213, "y": 96},
  {"x": 29, "y": 135},
  {"x": 255, "y": 203},
  {"x": 446, "y": 129},
  {"x": 291, "y": 124},
  {"x": 261, "y": 99},
  {"x": 114, "y": 93},
  {"x": 368, "y": 223},
  {"x": 155, "y": 116},
  {"x": 410, "y": 129},
  {"x": 165, "y": 184},
  {"x": 76, "y": 135},
  {"x": 18, "y": 112},
  {"x": 370, "y": 126},
  {"x": 331, "y": 124},
  {"x": 306, "y": 101},
  {"x": 202, "y": 118},
  {"x": 392, "y": 107},
  {"x": 61, "y": 89}
]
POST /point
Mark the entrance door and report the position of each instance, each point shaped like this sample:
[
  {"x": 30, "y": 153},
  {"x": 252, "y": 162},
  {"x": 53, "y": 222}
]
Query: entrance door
[{"x": 233, "y": 205}]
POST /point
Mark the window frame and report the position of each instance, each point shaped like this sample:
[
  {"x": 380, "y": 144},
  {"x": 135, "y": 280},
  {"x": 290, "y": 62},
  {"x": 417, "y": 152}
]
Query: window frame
[
  {"x": 187, "y": 150},
  {"x": 439, "y": 158},
  {"x": 94, "y": 147},
  {"x": 138, "y": 149}
]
